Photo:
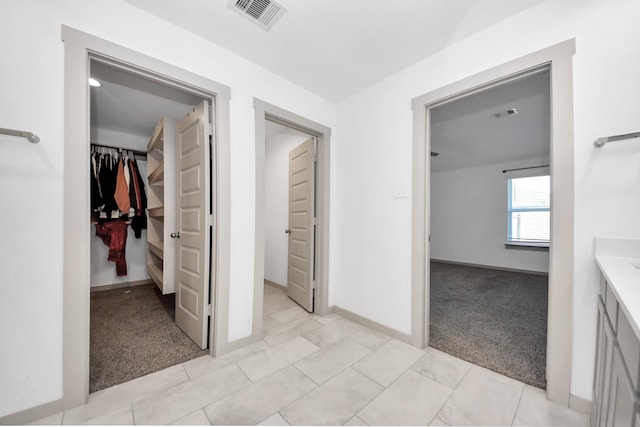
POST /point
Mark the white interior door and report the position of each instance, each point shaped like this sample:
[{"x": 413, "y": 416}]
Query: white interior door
[
  {"x": 192, "y": 284},
  {"x": 301, "y": 231}
]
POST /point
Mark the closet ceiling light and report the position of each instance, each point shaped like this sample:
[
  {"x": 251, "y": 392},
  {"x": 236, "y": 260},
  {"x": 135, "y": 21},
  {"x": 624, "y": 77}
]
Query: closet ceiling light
[{"x": 93, "y": 82}]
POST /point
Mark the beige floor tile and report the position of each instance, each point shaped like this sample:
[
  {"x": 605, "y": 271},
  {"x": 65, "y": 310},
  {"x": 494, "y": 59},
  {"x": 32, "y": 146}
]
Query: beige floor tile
[
  {"x": 332, "y": 332},
  {"x": 438, "y": 422},
  {"x": 275, "y": 358},
  {"x": 253, "y": 404},
  {"x": 168, "y": 406},
  {"x": 411, "y": 400},
  {"x": 51, "y": 420},
  {"x": 535, "y": 410},
  {"x": 442, "y": 367},
  {"x": 482, "y": 398},
  {"x": 369, "y": 338},
  {"x": 285, "y": 332},
  {"x": 355, "y": 421},
  {"x": 290, "y": 314},
  {"x": 122, "y": 417},
  {"x": 205, "y": 365},
  {"x": 197, "y": 418},
  {"x": 331, "y": 360},
  {"x": 275, "y": 303},
  {"x": 274, "y": 420},
  {"x": 388, "y": 362},
  {"x": 273, "y": 290},
  {"x": 331, "y": 317},
  {"x": 110, "y": 399},
  {"x": 334, "y": 402}
]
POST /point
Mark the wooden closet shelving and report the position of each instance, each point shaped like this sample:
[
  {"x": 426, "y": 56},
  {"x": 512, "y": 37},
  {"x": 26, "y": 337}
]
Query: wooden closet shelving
[{"x": 161, "y": 212}]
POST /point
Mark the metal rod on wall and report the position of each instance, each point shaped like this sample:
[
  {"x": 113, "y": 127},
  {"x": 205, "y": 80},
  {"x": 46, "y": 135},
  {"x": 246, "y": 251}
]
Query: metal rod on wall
[
  {"x": 29, "y": 135},
  {"x": 601, "y": 141},
  {"x": 521, "y": 169}
]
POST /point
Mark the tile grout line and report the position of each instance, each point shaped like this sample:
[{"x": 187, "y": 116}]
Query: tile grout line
[
  {"x": 451, "y": 395},
  {"x": 513, "y": 419}
]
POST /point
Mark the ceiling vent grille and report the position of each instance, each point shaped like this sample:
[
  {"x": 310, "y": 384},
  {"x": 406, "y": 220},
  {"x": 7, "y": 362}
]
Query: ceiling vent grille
[{"x": 264, "y": 13}]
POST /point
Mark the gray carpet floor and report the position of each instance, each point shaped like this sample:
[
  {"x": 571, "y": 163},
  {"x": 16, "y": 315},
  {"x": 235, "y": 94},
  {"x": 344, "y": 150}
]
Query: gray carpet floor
[
  {"x": 495, "y": 319},
  {"x": 133, "y": 333}
]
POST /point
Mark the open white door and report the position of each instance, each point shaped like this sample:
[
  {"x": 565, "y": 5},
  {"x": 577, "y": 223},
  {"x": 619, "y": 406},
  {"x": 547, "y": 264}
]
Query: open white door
[
  {"x": 192, "y": 281},
  {"x": 301, "y": 224}
]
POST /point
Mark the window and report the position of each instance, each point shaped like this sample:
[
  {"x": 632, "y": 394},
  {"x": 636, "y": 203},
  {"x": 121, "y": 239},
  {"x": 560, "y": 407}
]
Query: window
[{"x": 529, "y": 210}]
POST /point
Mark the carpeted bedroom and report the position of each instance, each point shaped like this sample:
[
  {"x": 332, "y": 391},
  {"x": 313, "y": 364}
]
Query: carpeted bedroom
[{"x": 492, "y": 318}]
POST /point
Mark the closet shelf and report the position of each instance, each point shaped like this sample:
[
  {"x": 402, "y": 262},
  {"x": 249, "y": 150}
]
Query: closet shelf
[
  {"x": 156, "y": 212},
  {"x": 157, "y": 139},
  {"x": 156, "y": 247},
  {"x": 155, "y": 271},
  {"x": 157, "y": 176}
]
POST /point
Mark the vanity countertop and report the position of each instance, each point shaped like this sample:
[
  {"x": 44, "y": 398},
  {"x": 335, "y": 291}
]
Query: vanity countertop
[{"x": 619, "y": 261}]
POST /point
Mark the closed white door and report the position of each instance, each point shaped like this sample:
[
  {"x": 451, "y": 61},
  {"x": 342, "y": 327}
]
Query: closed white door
[
  {"x": 192, "y": 284},
  {"x": 300, "y": 280}
]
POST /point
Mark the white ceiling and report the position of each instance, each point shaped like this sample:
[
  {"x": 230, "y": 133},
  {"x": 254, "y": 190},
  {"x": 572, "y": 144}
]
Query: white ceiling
[
  {"x": 465, "y": 132},
  {"x": 336, "y": 48},
  {"x": 131, "y": 104}
]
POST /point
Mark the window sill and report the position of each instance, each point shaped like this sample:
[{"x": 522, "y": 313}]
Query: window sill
[{"x": 528, "y": 246}]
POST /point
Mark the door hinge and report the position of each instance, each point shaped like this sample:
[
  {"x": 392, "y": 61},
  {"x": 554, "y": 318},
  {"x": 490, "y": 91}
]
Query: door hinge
[
  {"x": 210, "y": 128},
  {"x": 210, "y": 221},
  {"x": 209, "y": 310}
]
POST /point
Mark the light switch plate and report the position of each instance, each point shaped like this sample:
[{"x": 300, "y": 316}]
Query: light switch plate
[{"x": 401, "y": 190}]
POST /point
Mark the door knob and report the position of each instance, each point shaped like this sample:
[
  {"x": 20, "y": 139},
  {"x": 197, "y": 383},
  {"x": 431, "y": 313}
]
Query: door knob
[
  {"x": 175, "y": 235},
  {"x": 288, "y": 230}
]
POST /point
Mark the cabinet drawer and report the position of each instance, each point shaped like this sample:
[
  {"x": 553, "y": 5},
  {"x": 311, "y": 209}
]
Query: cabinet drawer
[
  {"x": 630, "y": 348},
  {"x": 603, "y": 288},
  {"x": 612, "y": 307}
]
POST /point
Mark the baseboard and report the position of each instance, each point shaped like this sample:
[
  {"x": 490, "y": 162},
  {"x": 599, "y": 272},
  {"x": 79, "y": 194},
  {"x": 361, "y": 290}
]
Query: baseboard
[
  {"x": 401, "y": 336},
  {"x": 275, "y": 285},
  {"x": 580, "y": 404},
  {"x": 491, "y": 267},
  {"x": 112, "y": 286},
  {"x": 235, "y": 345},
  {"x": 36, "y": 413}
]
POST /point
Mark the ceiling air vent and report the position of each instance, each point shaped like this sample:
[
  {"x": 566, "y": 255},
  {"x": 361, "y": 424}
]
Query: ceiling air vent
[{"x": 264, "y": 13}]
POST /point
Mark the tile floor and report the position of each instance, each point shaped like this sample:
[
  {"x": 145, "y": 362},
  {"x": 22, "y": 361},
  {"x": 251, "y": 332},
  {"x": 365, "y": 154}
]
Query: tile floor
[{"x": 311, "y": 370}]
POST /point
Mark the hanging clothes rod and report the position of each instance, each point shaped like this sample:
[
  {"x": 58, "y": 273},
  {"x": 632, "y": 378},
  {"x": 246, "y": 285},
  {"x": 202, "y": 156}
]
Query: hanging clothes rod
[
  {"x": 29, "y": 135},
  {"x": 113, "y": 147},
  {"x": 601, "y": 141},
  {"x": 521, "y": 169}
]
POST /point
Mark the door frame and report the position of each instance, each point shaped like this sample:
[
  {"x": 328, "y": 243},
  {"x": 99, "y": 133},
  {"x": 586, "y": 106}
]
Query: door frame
[
  {"x": 80, "y": 48},
  {"x": 263, "y": 112},
  {"x": 559, "y": 59}
]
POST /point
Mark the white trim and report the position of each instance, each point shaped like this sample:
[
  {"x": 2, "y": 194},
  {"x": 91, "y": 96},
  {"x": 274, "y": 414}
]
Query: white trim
[{"x": 560, "y": 315}]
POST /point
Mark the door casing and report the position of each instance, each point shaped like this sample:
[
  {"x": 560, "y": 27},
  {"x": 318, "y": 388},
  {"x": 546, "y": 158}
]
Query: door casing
[
  {"x": 558, "y": 59},
  {"x": 263, "y": 112},
  {"x": 80, "y": 49}
]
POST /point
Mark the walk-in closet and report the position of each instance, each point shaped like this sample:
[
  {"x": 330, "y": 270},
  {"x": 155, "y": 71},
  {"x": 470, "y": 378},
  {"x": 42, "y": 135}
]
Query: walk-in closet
[{"x": 133, "y": 163}]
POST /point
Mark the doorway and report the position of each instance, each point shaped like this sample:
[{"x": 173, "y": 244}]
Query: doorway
[
  {"x": 490, "y": 227},
  {"x": 558, "y": 59},
  {"x": 290, "y": 213},
  {"x": 267, "y": 116},
  {"x": 136, "y": 326},
  {"x": 80, "y": 48}
]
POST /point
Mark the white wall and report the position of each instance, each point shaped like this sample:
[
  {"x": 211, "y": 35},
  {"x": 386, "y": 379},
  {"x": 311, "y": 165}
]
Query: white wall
[
  {"x": 32, "y": 98},
  {"x": 469, "y": 218},
  {"x": 103, "y": 271},
  {"x": 277, "y": 204},
  {"x": 371, "y": 232}
]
